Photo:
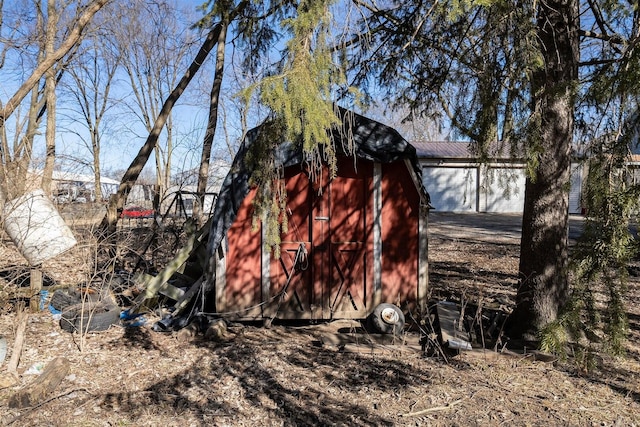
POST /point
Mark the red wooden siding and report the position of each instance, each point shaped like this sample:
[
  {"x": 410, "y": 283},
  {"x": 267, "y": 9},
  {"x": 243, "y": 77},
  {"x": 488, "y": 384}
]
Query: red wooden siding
[
  {"x": 243, "y": 278},
  {"x": 400, "y": 220},
  {"x": 335, "y": 277}
]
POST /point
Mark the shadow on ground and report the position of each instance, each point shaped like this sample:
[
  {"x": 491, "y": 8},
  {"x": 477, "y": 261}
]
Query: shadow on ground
[{"x": 328, "y": 389}]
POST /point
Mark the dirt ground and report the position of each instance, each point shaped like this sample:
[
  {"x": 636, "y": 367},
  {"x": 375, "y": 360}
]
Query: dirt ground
[{"x": 324, "y": 374}]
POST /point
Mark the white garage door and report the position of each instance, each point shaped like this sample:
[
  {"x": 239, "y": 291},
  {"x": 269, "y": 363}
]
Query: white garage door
[
  {"x": 452, "y": 189},
  {"x": 575, "y": 195},
  {"x": 505, "y": 190}
]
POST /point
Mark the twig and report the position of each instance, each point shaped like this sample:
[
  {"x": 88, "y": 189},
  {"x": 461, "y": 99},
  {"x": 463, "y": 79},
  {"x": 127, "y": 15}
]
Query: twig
[{"x": 434, "y": 409}]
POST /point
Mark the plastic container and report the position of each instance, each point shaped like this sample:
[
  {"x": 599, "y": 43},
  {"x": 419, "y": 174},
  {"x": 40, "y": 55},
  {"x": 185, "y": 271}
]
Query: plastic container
[
  {"x": 37, "y": 229},
  {"x": 3, "y": 349}
]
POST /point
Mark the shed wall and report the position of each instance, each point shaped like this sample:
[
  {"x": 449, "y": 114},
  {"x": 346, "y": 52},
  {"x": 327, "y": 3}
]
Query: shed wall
[
  {"x": 400, "y": 235},
  {"x": 326, "y": 267}
]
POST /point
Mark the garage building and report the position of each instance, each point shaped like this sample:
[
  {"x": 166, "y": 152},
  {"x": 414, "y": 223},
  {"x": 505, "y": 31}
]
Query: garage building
[{"x": 458, "y": 181}]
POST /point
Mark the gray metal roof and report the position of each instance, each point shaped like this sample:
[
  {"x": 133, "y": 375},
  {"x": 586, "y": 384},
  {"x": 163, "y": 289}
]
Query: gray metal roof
[
  {"x": 443, "y": 149},
  {"x": 459, "y": 150}
]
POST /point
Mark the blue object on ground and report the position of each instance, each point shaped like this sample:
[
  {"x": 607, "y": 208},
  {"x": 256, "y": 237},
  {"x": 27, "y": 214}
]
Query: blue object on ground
[
  {"x": 43, "y": 299},
  {"x": 126, "y": 315},
  {"x": 141, "y": 321}
]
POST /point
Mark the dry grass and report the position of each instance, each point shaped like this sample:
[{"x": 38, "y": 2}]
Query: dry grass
[{"x": 295, "y": 376}]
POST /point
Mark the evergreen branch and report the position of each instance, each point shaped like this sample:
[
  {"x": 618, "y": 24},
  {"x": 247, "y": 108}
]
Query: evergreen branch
[
  {"x": 597, "y": 13},
  {"x": 615, "y": 39},
  {"x": 457, "y": 123},
  {"x": 595, "y": 62}
]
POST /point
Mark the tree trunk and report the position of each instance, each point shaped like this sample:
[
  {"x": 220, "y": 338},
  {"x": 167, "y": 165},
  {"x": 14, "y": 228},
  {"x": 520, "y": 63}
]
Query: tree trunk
[
  {"x": 50, "y": 96},
  {"x": 16, "y": 167},
  {"x": 160, "y": 186},
  {"x": 214, "y": 100},
  {"x": 74, "y": 37},
  {"x": 97, "y": 172},
  {"x": 116, "y": 201},
  {"x": 544, "y": 282},
  {"x": 167, "y": 159},
  {"x": 11, "y": 185}
]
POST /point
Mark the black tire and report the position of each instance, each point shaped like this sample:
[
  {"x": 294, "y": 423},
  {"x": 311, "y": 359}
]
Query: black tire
[
  {"x": 387, "y": 319},
  {"x": 63, "y": 298},
  {"x": 89, "y": 317}
]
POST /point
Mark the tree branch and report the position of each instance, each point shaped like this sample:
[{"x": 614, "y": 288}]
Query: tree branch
[
  {"x": 614, "y": 39},
  {"x": 49, "y": 61},
  {"x": 116, "y": 202}
]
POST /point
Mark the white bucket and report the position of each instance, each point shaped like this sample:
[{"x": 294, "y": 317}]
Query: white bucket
[{"x": 36, "y": 227}]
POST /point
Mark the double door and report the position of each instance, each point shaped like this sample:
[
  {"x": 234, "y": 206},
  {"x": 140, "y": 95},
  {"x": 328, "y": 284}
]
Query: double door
[{"x": 324, "y": 270}]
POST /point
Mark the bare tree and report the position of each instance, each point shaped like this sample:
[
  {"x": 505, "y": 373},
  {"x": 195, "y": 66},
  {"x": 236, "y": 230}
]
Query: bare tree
[
  {"x": 26, "y": 127},
  {"x": 74, "y": 36},
  {"x": 92, "y": 77},
  {"x": 14, "y": 157},
  {"x": 116, "y": 202},
  {"x": 154, "y": 46}
]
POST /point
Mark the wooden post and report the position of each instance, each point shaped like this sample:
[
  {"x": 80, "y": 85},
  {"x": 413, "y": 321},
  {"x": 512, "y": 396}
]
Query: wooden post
[
  {"x": 18, "y": 341},
  {"x": 36, "y": 287}
]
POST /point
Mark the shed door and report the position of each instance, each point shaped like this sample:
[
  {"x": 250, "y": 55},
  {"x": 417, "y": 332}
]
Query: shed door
[
  {"x": 290, "y": 295},
  {"x": 342, "y": 239},
  {"x": 328, "y": 220}
]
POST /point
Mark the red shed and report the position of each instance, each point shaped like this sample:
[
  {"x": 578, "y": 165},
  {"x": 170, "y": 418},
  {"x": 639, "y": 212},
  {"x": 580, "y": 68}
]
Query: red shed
[{"x": 353, "y": 242}]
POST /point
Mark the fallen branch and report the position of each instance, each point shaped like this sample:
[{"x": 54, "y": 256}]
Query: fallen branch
[
  {"x": 18, "y": 342},
  {"x": 42, "y": 386},
  {"x": 33, "y": 408},
  {"x": 434, "y": 409}
]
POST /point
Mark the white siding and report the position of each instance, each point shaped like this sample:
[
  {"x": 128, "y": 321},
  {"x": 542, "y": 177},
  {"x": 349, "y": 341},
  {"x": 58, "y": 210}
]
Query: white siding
[{"x": 452, "y": 189}]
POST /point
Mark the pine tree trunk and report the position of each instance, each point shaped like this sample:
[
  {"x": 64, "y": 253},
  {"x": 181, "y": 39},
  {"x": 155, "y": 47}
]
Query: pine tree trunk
[{"x": 544, "y": 281}]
